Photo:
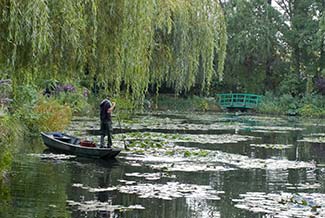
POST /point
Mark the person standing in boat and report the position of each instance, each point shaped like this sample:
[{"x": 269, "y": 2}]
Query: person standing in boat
[{"x": 106, "y": 129}]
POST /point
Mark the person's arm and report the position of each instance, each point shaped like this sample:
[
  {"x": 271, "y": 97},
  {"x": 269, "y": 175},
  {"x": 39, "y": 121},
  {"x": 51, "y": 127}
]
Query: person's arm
[{"x": 111, "y": 108}]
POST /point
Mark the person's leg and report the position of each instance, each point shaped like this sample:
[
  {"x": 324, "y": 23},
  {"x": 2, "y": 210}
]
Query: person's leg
[
  {"x": 102, "y": 134},
  {"x": 102, "y": 140},
  {"x": 109, "y": 134}
]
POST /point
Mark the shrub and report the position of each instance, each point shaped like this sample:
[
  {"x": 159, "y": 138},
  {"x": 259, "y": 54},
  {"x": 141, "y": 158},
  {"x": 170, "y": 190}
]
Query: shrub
[
  {"x": 309, "y": 105},
  {"x": 312, "y": 106},
  {"x": 45, "y": 115},
  {"x": 292, "y": 84},
  {"x": 25, "y": 96},
  {"x": 52, "y": 116},
  {"x": 74, "y": 96},
  {"x": 269, "y": 105},
  {"x": 285, "y": 104}
]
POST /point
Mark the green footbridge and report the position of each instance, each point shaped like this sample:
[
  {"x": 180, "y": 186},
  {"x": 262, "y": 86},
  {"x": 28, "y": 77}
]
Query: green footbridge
[{"x": 238, "y": 100}]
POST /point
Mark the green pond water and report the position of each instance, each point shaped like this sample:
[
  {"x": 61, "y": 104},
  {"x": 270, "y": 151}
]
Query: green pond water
[{"x": 177, "y": 166}]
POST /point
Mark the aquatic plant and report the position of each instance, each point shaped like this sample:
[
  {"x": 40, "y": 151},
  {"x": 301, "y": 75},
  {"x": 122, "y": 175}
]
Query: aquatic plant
[
  {"x": 283, "y": 204},
  {"x": 272, "y": 146},
  {"x": 52, "y": 116},
  {"x": 166, "y": 191},
  {"x": 92, "y": 206}
]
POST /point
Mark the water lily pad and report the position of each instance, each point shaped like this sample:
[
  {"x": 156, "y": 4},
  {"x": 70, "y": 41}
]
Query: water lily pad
[
  {"x": 149, "y": 176},
  {"x": 91, "y": 206},
  {"x": 53, "y": 156},
  {"x": 304, "y": 186},
  {"x": 320, "y": 139},
  {"x": 171, "y": 190},
  {"x": 190, "y": 167},
  {"x": 218, "y": 157},
  {"x": 282, "y": 204},
  {"x": 107, "y": 189},
  {"x": 193, "y": 138},
  {"x": 272, "y": 146}
]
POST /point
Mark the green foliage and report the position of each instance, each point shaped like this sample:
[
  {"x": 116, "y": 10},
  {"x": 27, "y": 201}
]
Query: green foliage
[
  {"x": 194, "y": 103},
  {"x": 25, "y": 96},
  {"x": 187, "y": 154},
  {"x": 309, "y": 106},
  {"x": 52, "y": 116},
  {"x": 313, "y": 106},
  {"x": 10, "y": 133},
  {"x": 276, "y": 105},
  {"x": 37, "y": 113},
  {"x": 125, "y": 104},
  {"x": 273, "y": 50},
  {"x": 114, "y": 43},
  {"x": 291, "y": 85},
  {"x": 253, "y": 60},
  {"x": 75, "y": 100},
  {"x": 5, "y": 161},
  {"x": 200, "y": 153}
]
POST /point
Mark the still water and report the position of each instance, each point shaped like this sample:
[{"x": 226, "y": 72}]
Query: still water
[{"x": 178, "y": 166}]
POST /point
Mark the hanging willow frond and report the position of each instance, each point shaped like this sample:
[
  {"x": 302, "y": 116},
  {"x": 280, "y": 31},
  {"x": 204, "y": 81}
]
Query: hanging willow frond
[{"x": 118, "y": 42}]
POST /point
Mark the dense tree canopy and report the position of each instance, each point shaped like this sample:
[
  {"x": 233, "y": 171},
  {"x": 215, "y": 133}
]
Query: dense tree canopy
[
  {"x": 117, "y": 43},
  {"x": 255, "y": 45},
  {"x": 274, "y": 45}
]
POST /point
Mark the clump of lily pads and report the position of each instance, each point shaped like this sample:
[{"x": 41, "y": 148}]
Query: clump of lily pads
[
  {"x": 107, "y": 189},
  {"x": 54, "y": 156},
  {"x": 213, "y": 158},
  {"x": 282, "y": 205},
  {"x": 171, "y": 190},
  {"x": 314, "y": 138},
  {"x": 94, "y": 205},
  {"x": 150, "y": 176},
  {"x": 305, "y": 186},
  {"x": 272, "y": 146},
  {"x": 152, "y": 139},
  {"x": 190, "y": 167},
  {"x": 167, "y": 191}
]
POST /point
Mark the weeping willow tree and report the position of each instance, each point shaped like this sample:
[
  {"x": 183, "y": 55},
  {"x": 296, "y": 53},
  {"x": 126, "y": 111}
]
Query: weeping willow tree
[{"x": 119, "y": 43}]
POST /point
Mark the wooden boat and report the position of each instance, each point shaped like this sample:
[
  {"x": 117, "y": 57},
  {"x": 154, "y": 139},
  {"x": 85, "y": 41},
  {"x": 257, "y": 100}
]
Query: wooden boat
[{"x": 71, "y": 145}]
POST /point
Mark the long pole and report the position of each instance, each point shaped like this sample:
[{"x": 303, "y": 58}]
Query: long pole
[{"x": 119, "y": 123}]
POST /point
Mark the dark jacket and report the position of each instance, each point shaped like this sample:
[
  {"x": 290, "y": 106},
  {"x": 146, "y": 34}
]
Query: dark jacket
[{"x": 104, "y": 106}]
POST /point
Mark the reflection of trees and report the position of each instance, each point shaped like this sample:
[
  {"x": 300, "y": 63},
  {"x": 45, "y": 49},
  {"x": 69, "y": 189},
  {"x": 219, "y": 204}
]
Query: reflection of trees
[
  {"x": 38, "y": 190},
  {"x": 4, "y": 197},
  {"x": 276, "y": 179},
  {"x": 317, "y": 151}
]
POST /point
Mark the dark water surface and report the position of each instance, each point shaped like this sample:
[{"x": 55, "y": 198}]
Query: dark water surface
[{"x": 189, "y": 165}]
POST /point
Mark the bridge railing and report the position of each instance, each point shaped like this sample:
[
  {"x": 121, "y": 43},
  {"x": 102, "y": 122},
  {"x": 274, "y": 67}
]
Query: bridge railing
[{"x": 239, "y": 100}]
